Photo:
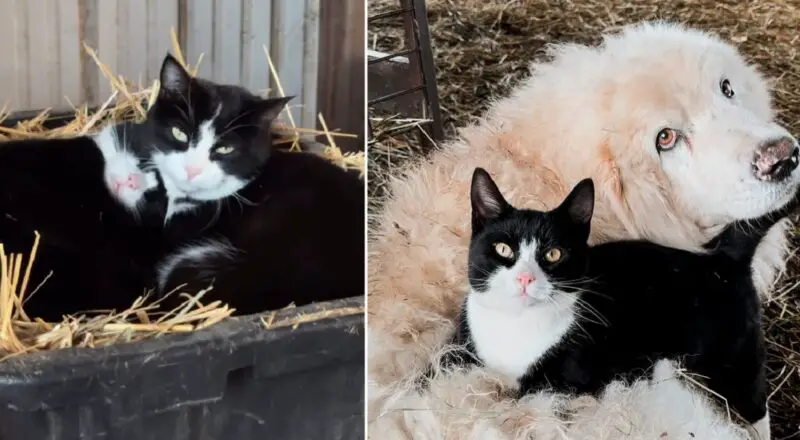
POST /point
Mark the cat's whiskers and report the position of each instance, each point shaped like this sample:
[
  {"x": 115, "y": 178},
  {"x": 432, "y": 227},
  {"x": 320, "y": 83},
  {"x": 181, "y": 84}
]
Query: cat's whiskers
[
  {"x": 579, "y": 288},
  {"x": 575, "y": 311},
  {"x": 743, "y": 226},
  {"x": 585, "y": 306},
  {"x": 559, "y": 310},
  {"x": 480, "y": 270},
  {"x": 577, "y": 281},
  {"x": 574, "y": 287},
  {"x": 243, "y": 200},
  {"x": 236, "y": 127},
  {"x": 232, "y": 121},
  {"x": 217, "y": 213},
  {"x": 124, "y": 137},
  {"x": 239, "y": 200},
  {"x": 479, "y": 284},
  {"x": 227, "y": 203}
]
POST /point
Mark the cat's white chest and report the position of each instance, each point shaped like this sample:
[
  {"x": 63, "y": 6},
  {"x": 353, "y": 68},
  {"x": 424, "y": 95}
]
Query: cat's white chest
[{"x": 511, "y": 343}]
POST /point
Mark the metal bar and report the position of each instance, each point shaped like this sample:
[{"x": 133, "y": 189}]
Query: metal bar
[
  {"x": 410, "y": 31},
  {"x": 393, "y": 55},
  {"x": 394, "y": 95},
  {"x": 422, "y": 75},
  {"x": 389, "y": 14},
  {"x": 377, "y": 54},
  {"x": 417, "y": 78},
  {"x": 428, "y": 69},
  {"x": 369, "y": 128}
]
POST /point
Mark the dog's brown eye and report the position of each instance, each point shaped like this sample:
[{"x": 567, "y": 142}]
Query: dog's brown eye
[
  {"x": 725, "y": 87},
  {"x": 666, "y": 139}
]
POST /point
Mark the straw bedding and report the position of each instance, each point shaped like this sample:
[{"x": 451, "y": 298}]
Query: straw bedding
[
  {"x": 483, "y": 47},
  {"x": 145, "y": 318}
]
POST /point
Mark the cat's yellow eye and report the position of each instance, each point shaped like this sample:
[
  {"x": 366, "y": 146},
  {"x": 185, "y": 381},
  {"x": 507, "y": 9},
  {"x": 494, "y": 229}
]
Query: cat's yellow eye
[
  {"x": 178, "y": 134},
  {"x": 503, "y": 250},
  {"x": 223, "y": 149},
  {"x": 553, "y": 255}
]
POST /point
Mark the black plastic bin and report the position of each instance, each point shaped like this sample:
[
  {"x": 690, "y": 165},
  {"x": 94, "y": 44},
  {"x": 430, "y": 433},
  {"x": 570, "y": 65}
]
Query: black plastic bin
[{"x": 236, "y": 380}]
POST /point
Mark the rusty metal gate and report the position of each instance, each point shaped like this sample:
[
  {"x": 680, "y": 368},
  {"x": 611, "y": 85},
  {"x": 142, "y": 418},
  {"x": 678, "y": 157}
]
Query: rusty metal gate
[{"x": 404, "y": 82}]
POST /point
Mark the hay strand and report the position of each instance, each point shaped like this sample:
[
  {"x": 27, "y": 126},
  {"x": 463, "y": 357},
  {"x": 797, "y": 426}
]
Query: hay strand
[
  {"x": 145, "y": 318},
  {"x": 482, "y": 48},
  {"x": 270, "y": 323}
]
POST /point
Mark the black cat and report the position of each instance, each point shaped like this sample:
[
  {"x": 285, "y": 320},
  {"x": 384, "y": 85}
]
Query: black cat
[
  {"x": 193, "y": 195},
  {"x": 267, "y": 227},
  {"x": 98, "y": 213},
  {"x": 554, "y": 313}
]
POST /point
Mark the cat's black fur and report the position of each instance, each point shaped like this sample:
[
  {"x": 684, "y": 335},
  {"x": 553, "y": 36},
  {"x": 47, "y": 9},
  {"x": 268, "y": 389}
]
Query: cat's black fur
[
  {"x": 298, "y": 226},
  {"x": 96, "y": 249},
  {"x": 647, "y": 301},
  {"x": 301, "y": 241},
  {"x": 244, "y": 119}
]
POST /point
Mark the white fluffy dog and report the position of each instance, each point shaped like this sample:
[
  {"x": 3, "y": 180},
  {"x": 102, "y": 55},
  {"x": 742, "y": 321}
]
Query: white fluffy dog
[{"x": 676, "y": 130}]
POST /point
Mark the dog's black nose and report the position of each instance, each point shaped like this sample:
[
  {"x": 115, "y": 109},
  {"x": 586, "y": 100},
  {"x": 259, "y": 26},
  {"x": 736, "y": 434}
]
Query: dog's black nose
[{"x": 776, "y": 159}]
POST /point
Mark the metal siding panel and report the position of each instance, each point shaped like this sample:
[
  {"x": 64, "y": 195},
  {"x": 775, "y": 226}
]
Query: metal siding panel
[
  {"x": 107, "y": 45},
  {"x": 90, "y": 35},
  {"x": 232, "y": 34},
  {"x": 162, "y": 17},
  {"x": 22, "y": 57},
  {"x": 8, "y": 71},
  {"x": 43, "y": 79},
  {"x": 131, "y": 37},
  {"x": 228, "y": 41},
  {"x": 132, "y": 44},
  {"x": 69, "y": 52},
  {"x": 310, "y": 63},
  {"x": 287, "y": 50},
  {"x": 256, "y": 19},
  {"x": 200, "y": 35}
]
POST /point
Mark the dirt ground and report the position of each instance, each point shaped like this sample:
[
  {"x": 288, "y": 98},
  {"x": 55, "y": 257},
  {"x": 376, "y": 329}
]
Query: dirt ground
[{"x": 482, "y": 49}]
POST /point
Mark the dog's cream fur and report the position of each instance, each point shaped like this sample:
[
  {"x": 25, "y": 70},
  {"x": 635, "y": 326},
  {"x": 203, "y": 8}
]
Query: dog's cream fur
[
  {"x": 590, "y": 112},
  {"x": 464, "y": 405}
]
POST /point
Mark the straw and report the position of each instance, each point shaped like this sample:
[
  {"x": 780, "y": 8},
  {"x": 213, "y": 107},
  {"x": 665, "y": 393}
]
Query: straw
[
  {"x": 145, "y": 318},
  {"x": 483, "y": 48}
]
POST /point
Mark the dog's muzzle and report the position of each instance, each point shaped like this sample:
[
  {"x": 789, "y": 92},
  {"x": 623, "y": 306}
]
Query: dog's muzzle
[{"x": 775, "y": 159}]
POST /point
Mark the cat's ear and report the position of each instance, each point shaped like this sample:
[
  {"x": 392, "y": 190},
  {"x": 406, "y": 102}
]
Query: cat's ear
[
  {"x": 579, "y": 204},
  {"x": 487, "y": 201},
  {"x": 174, "y": 78},
  {"x": 272, "y": 107}
]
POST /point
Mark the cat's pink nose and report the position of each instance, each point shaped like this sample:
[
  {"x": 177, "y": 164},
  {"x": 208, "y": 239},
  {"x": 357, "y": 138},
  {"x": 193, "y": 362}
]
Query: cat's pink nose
[
  {"x": 192, "y": 171},
  {"x": 525, "y": 279},
  {"x": 134, "y": 181}
]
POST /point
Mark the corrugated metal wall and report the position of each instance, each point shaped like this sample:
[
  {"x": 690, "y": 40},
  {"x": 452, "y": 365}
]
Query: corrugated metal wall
[{"x": 46, "y": 65}]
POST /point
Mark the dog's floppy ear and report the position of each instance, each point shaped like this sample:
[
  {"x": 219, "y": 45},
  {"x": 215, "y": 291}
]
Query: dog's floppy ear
[
  {"x": 579, "y": 204},
  {"x": 610, "y": 188},
  {"x": 487, "y": 201}
]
